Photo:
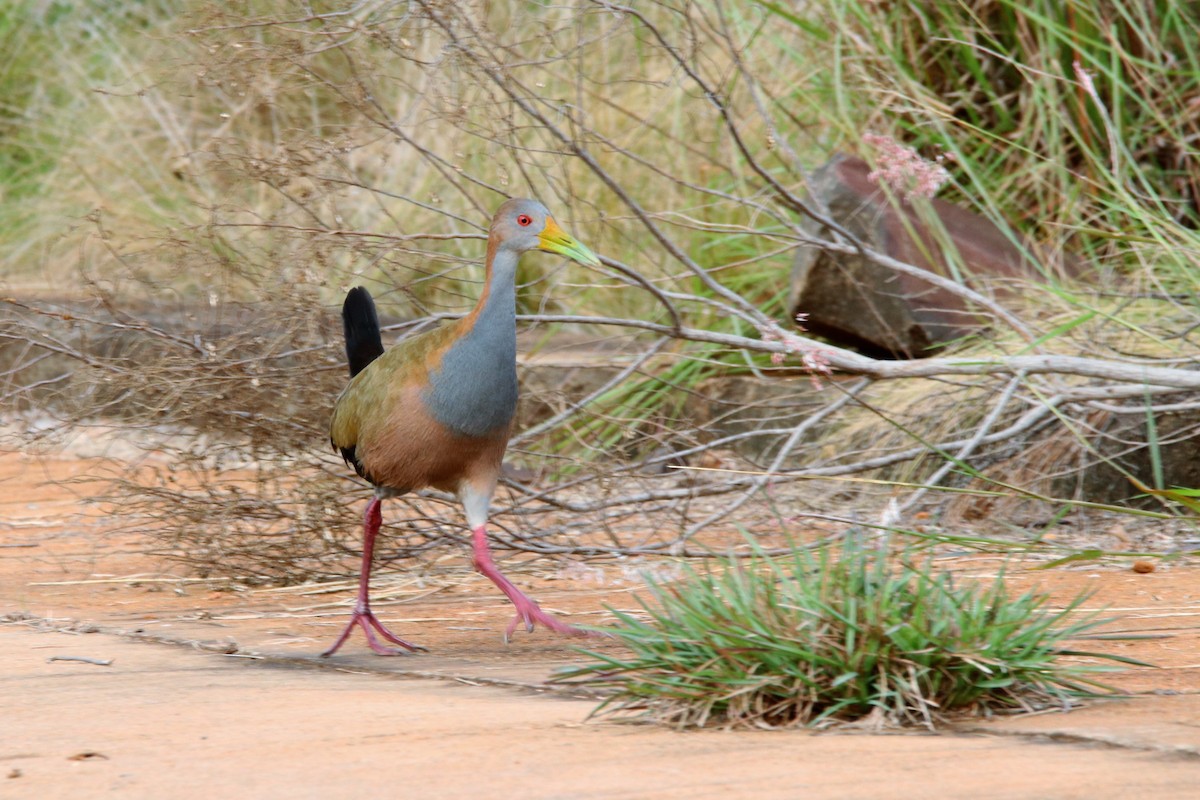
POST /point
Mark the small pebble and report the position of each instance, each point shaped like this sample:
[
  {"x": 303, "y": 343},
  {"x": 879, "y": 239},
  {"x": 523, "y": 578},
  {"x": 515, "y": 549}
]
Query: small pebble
[{"x": 1143, "y": 566}]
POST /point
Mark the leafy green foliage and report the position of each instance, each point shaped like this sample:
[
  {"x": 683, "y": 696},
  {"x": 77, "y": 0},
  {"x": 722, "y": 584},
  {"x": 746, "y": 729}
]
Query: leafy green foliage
[{"x": 840, "y": 634}]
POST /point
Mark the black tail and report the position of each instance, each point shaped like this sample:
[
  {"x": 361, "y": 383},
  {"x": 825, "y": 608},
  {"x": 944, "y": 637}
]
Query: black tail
[{"x": 361, "y": 326}]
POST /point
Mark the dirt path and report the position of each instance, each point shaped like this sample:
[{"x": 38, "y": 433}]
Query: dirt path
[
  {"x": 176, "y": 715},
  {"x": 167, "y": 722}
]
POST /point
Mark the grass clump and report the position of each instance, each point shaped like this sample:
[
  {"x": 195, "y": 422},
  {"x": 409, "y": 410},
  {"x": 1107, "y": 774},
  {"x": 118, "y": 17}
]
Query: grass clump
[{"x": 841, "y": 634}]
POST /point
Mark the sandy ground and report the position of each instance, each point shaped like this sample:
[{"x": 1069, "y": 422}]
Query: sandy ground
[{"x": 215, "y": 693}]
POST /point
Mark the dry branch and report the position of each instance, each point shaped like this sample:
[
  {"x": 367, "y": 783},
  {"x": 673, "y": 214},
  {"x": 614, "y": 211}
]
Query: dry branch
[{"x": 369, "y": 145}]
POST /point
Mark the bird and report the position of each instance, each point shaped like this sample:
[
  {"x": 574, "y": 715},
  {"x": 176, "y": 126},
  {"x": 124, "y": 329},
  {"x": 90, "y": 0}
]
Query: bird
[{"x": 436, "y": 410}]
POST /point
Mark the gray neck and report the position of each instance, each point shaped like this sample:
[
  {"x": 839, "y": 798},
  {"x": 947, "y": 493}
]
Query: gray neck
[
  {"x": 475, "y": 391},
  {"x": 497, "y": 321}
]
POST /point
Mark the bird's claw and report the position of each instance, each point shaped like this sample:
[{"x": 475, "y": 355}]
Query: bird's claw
[
  {"x": 366, "y": 619},
  {"x": 529, "y": 613}
]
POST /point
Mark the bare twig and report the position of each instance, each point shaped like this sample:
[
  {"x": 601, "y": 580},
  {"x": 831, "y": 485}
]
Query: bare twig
[{"x": 100, "y": 662}]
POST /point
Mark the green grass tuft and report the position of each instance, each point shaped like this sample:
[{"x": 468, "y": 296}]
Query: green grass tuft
[{"x": 840, "y": 634}]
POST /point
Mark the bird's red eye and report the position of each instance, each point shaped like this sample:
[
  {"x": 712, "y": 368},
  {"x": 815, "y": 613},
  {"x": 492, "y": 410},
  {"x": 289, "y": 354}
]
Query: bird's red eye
[{"x": 524, "y": 220}]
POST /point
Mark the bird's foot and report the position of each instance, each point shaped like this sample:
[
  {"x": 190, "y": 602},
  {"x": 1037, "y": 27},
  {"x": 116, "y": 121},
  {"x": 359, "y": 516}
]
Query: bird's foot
[
  {"x": 529, "y": 614},
  {"x": 366, "y": 619}
]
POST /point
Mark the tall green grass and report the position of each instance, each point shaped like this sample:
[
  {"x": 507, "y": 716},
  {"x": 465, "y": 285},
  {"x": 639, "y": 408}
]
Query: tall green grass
[{"x": 1074, "y": 121}]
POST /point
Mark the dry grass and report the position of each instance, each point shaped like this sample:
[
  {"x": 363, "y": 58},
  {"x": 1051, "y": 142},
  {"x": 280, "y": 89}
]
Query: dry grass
[{"x": 195, "y": 185}]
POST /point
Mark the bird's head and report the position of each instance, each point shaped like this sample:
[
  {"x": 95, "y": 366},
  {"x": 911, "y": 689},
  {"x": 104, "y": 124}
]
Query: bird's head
[{"x": 522, "y": 225}]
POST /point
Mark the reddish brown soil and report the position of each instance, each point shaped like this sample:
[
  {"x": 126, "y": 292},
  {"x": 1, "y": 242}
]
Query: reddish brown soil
[{"x": 218, "y": 693}]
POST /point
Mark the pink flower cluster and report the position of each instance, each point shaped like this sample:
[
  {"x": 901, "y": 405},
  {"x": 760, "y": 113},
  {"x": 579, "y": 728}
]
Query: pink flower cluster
[
  {"x": 812, "y": 359},
  {"x": 903, "y": 169}
]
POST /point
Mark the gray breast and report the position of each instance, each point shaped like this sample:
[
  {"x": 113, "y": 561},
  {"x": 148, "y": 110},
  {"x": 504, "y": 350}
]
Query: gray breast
[{"x": 475, "y": 391}]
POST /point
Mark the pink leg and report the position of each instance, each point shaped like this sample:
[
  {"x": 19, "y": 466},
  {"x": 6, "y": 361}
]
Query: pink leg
[
  {"x": 527, "y": 610},
  {"x": 362, "y": 616}
]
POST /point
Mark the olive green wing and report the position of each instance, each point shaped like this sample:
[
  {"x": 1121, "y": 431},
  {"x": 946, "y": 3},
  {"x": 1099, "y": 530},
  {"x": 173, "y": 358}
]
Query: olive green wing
[{"x": 372, "y": 394}]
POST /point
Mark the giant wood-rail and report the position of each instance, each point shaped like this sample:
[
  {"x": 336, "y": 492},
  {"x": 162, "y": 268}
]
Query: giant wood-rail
[{"x": 437, "y": 409}]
